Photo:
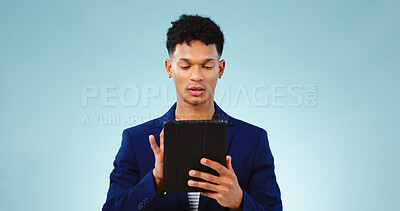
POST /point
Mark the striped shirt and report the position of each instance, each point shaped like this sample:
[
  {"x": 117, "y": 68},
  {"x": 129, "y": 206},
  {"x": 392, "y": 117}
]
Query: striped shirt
[{"x": 194, "y": 198}]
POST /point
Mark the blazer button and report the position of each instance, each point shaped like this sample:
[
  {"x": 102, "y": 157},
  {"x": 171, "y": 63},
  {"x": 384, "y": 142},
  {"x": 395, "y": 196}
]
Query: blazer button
[{"x": 140, "y": 206}]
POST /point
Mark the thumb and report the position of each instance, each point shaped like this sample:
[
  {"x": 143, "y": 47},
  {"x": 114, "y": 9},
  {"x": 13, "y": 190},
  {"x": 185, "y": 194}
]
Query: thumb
[
  {"x": 229, "y": 162},
  {"x": 162, "y": 139},
  {"x": 153, "y": 145}
]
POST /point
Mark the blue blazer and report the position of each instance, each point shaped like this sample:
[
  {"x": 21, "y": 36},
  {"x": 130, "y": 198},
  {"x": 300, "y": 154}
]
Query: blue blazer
[{"x": 132, "y": 185}]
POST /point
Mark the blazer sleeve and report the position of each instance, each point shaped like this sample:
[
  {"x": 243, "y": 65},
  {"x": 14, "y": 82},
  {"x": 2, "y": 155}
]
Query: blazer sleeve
[
  {"x": 127, "y": 191},
  {"x": 263, "y": 192}
]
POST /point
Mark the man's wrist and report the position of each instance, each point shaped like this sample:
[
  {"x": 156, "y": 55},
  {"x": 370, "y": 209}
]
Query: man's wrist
[
  {"x": 240, "y": 207},
  {"x": 157, "y": 182}
]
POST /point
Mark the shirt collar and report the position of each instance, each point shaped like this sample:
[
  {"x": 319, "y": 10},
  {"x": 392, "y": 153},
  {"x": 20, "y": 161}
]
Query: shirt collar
[{"x": 170, "y": 116}]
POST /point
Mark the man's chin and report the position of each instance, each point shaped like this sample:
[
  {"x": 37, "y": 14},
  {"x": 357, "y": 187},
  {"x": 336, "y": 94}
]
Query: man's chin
[{"x": 195, "y": 102}]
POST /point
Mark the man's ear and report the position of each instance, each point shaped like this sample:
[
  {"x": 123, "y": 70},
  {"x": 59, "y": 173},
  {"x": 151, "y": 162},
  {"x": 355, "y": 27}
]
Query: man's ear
[
  {"x": 221, "y": 68},
  {"x": 168, "y": 66}
]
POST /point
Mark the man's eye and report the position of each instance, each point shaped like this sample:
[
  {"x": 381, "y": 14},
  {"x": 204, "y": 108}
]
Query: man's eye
[
  {"x": 185, "y": 67},
  {"x": 208, "y": 67}
]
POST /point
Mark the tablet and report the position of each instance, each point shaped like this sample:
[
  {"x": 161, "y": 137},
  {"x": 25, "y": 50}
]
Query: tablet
[{"x": 185, "y": 143}]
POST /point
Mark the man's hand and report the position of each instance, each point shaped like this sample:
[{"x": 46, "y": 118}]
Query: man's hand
[
  {"x": 159, "y": 157},
  {"x": 226, "y": 188}
]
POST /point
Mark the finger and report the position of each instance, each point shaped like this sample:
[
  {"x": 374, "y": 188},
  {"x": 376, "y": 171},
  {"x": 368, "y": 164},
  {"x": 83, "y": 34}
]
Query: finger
[
  {"x": 207, "y": 186},
  {"x": 162, "y": 139},
  {"x": 206, "y": 176},
  {"x": 153, "y": 145},
  {"x": 214, "y": 165},
  {"x": 229, "y": 162},
  {"x": 211, "y": 195}
]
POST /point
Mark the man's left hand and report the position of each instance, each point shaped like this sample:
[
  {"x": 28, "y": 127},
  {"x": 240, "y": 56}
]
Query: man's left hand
[{"x": 226, "y": 188}]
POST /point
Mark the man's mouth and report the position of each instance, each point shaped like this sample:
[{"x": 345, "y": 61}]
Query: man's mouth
[{"x": 196, "y": 91}]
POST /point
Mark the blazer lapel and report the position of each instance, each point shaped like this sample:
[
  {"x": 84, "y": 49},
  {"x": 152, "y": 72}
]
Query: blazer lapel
[
  {"x": 221, "y": 115},
  {"x": 184, "y": 197},
  {"x": 203, "y": 202}
]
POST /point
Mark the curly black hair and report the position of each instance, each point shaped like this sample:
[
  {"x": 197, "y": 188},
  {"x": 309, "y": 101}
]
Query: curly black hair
[{"x": 194, "y": 27}]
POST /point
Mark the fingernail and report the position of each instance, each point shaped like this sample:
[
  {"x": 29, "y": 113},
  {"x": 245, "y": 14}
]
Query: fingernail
[
  {"x": 203, "y": 161},
  {"x": 192, "y": 173},
  {"x": 190, "y": 182}
]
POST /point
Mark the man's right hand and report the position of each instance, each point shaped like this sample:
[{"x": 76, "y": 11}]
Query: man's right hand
[{"x": 159, "y": 157}]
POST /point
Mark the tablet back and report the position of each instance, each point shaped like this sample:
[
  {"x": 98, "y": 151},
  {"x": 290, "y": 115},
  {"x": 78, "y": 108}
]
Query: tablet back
[{"x": 185, "y": 143}]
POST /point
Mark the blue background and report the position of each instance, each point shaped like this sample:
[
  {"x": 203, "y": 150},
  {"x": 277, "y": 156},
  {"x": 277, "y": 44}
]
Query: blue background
[{"x": 341, "y": 153}]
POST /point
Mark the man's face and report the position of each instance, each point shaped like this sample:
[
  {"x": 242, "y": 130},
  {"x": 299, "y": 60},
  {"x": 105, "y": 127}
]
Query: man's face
[{"x": 195, "y": 70}]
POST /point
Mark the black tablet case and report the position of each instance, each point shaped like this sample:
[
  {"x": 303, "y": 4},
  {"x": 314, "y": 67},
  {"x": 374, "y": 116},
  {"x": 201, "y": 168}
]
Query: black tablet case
[{"x": 185, "y": 143}]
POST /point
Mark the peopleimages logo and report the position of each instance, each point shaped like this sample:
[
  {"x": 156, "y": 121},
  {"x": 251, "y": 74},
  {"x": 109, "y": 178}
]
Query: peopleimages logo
[
  {"x": 130, "y": 95},
  {"x": 98, "y": 100}
]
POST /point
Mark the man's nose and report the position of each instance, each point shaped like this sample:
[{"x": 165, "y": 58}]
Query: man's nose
[{"x": 196, "y": 74}]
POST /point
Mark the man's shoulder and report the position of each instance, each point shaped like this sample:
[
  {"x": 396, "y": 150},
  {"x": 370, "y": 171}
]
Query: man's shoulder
[
  {"x": 246, "y": 126},
  {"x": 143, "y": 126},
  {"x": 248, "y": 134}
]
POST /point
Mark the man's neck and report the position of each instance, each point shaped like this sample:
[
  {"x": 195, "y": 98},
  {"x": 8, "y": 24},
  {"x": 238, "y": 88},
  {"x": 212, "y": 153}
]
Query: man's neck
[{"x": 194, "y": 112}]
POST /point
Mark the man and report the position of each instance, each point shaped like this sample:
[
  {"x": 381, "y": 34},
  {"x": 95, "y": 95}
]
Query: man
[{"x": 247, "y": 182}]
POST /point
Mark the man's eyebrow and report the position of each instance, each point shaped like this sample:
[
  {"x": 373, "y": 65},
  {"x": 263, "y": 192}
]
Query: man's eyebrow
[
  {"x": 184, "y": 59},
  {"x": 210, "y": 59},
  {"x": 205, "y": 60}
]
